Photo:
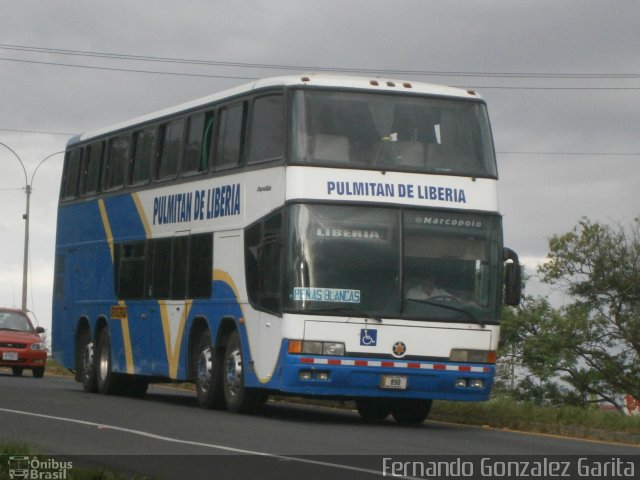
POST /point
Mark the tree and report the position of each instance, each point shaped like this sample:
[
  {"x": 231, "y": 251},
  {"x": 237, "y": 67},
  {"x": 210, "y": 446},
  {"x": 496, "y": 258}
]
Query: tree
[{"x": 594, "y": 344}]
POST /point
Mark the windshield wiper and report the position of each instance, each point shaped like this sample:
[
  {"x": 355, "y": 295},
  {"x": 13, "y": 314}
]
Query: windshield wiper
[
  {"x": 450, "y": 307},
  {"x": 350, "y": 311}
]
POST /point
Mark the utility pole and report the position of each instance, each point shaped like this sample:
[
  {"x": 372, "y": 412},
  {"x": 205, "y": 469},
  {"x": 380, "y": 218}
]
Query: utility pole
[{"x": 27, "y": 190}]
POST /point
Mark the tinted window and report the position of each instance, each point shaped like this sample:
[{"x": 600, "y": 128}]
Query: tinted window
[
  {"x": 160, "y": 267},
  {"x": 72, "y": 173},
  {"x": 130, "y": 262},
  {"x": 143, "y": 154},
  {"x": 196, "y": 154},
  {"x": 200, "y": 266},
  {"x": 267, "y": 129},
  {"x": 230, "y": 137},
  {"x": 93, "y": 164},
  {"x": 171, "y": 146},
  {"x": 117, "y": 162},
  {"x": 179, "y": 267}
]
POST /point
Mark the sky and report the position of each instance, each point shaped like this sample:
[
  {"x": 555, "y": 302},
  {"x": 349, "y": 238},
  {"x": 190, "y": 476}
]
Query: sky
[{"x": 561, "y": 79}]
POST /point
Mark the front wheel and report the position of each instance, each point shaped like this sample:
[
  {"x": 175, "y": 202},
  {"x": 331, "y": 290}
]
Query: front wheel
[
  {"x": 411, "y": 412},
  {"x": 17, "y": 371},
  {"x": 239, "y": 399},
  {"x": 373, "y": 409}
]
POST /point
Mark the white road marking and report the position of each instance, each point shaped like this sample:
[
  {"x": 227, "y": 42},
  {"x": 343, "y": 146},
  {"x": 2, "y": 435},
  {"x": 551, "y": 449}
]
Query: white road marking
[{"x": 196, "y": 444}]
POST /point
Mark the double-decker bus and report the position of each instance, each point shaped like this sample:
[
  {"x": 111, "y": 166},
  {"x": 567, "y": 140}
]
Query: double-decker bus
[{"x": 318, "y": 235}]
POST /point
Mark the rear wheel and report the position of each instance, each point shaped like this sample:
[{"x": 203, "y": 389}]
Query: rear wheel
[
  {"x": 17, "y": 371},
  {"x": 87, "y": 365},
  {"x": 373, "y": 409},
  {"x": 411, "y": 412},
  {"x": 38, "y": 372},
  {"x": 239, "y": 399},
  {"x": 134, "y": 385},
  {"x": 109, "y": 383},
  {"x": 207, "y": 373}
]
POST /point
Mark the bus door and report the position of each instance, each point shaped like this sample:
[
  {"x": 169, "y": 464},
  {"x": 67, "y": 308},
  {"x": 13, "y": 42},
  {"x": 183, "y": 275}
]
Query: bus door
[{"x": 168, "y": 289}]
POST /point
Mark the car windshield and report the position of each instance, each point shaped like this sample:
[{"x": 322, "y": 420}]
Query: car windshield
[
  {"x": 14, "y": 321},
  {"x": 392, "y": 132},
  {"x": 389, "y": 262}
]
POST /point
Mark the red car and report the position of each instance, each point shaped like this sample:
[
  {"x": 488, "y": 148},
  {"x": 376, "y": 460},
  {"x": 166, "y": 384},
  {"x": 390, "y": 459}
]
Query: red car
[{"x": 20, "y": 344}]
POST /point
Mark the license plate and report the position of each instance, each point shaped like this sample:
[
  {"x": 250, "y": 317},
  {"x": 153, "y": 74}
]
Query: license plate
[
  {"x": 394, "y": 382},
  {"x": 10, "y": 356}
]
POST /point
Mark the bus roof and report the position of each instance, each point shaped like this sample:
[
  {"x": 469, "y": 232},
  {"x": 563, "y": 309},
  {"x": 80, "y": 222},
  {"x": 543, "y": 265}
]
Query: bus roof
[{"x": 318, "y": 80}]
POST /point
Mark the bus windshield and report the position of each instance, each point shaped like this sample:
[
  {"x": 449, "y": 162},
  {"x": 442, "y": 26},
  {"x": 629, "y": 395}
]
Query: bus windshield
[
  {"x": 395, "y": 132},
  {"x": 388, "y": 262}
]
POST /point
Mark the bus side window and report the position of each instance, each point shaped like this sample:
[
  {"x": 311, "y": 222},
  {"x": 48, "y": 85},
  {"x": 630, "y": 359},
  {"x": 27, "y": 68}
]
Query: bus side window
[
  {"x": 130, "y": 262},
  {"x": 116, "y": 163},
  {"x": 263, "y": 250},
  {"x": 92, "y": 166},
  {"x": 231, "y": 132},
  {"x": 267, "y": 129},
  {"x": 199, "y": 276},
  {"x": 71, "y": 173},
  {"x": 143, "y": 145},
  {"x": 197, "y": 144},
  {"x": 158, "y": 284},
  {"x": 171, "y": 138}
]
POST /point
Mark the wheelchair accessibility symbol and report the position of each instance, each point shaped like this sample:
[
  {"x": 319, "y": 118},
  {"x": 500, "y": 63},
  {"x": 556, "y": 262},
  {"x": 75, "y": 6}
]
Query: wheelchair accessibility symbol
[{"x": 368, "y": 337}]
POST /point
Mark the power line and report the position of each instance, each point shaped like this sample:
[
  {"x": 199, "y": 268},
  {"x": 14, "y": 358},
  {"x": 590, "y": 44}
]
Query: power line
[
  {"x": 123, "y": 56},
  {"x": 118, "y": 56},
  {"x": 585, "y": 154},
  {"x": 36, "y": 131}
]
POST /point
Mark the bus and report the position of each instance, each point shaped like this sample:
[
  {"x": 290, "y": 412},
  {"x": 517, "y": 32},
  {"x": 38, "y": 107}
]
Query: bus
[{"x": 319, "y": 236}]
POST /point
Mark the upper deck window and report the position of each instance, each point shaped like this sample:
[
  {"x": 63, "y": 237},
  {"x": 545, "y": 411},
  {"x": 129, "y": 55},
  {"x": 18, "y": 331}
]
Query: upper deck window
[
  {"x": 392, "y": 132},
  {"x": 117, "y": 162},
  {"x": 229, "y": 148},
  {"x": 267, "y": 129},
  {"x": 169, "y": 157}
]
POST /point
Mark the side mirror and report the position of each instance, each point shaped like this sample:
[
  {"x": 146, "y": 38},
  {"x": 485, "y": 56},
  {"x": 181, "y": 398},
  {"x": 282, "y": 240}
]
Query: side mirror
[
  {"x": 39, "y": 330},
  {"x": 512, "y": 278}
]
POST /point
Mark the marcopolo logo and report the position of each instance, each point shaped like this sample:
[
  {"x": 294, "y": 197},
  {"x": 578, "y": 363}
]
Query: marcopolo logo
[{"x": 34, "y": 468}]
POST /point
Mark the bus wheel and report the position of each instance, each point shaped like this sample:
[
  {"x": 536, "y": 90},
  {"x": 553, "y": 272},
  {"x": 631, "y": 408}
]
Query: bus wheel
[
  {"x": 109, "y": 383},
  {"x": 411, "y": 412},
  {"x": 239, "y": 398},
  {"x": 207, "y": 373},
  {"x": 87, "y": 364},
  {"x": 135, "y": 386},
  {"x": 373, "y": 409},
  {"x": 17, "y": 371}
]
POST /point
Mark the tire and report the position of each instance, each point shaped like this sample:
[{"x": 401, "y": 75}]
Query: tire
[
  {"x": 17, "y": 371},
  {"x": 239, "y": 399},
  {"x": 108, "y": 382},
  {"x": 206, "y": 362},
  {"x": 86, "y": 368},
  {"x": 411, "y": 412},
  {"x": 38, "y": 372},
  {"x": 133, "y": 385},
  {"x": 373, "y": 409}
]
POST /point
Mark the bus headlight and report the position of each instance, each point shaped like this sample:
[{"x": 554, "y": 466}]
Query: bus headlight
[
  {"x": 472, "y": 356},
  {"x": 316, "y": 347}
]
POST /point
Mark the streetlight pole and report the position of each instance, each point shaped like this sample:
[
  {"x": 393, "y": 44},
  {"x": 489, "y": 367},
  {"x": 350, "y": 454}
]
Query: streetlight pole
[{"x": 27, "y": 189}]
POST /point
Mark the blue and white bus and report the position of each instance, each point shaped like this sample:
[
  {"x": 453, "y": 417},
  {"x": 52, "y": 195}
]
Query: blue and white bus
[{"x": 321, "y": 236}]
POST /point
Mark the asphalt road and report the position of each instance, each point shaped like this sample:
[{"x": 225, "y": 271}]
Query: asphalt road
[{"x": 165, "y": 434}]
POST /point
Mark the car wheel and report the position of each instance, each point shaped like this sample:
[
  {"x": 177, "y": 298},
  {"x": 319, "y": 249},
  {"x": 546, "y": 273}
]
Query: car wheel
[
  {"x": 373, "y": 409},
  {"x": 38, "y": 372},
  {"x": 239, "y": 399},
  {"x": 109, "y": 383},
  {"x": 87, "y": 366},
  {"x": 411, "y": 412},
  {"x": 207, "y": 373},
  {"x": 17, "y": 371}
]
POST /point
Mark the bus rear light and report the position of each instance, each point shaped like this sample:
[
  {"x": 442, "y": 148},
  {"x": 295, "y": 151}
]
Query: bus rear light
[{"x": 472, "y": 356}]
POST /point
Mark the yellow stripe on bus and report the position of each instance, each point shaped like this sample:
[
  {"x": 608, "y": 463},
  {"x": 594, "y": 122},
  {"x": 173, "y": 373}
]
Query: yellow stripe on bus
[
  {"x": 173, "y": 347},
  {"x": 107, "y": 226},
  {"x": 141, "y": 214}
]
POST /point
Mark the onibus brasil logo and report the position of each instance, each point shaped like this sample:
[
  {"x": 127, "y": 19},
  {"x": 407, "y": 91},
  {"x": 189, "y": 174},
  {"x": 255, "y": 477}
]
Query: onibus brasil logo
[{"x": 34, "y": 468}]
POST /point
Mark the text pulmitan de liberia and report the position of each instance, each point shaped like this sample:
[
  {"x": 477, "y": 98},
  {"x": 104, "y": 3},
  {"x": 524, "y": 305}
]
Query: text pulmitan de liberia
[
  {"x": 222, "y": 201},
  {"x": 399, "y": 190}
]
